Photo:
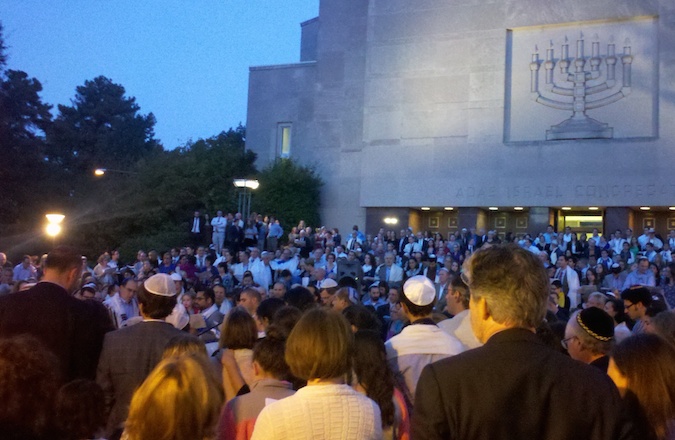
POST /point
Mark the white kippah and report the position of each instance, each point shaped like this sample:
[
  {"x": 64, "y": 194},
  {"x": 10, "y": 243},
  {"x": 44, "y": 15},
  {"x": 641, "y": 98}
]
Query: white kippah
[{"x": 160, "y": 284}]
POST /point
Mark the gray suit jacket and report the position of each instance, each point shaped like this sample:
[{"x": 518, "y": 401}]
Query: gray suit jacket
[{"x": 128, "y": 356}]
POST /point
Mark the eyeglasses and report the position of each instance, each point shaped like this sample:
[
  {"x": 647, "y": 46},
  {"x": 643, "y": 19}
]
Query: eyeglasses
[
  {"x": 564, "y": 342},
  {"x": 627, "y": 305}
]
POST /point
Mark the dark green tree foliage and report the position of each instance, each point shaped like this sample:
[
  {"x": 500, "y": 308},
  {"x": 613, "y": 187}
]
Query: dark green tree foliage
[
  {"x": 152, "y": 210},
  {"x": 23, "y": 120},
  {"x": 102, "y": 128},
  {"x": 289, "y": 191}
]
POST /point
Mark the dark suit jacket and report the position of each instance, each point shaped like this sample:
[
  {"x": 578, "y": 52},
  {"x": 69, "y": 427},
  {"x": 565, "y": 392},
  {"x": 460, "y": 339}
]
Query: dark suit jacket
[
  {"x": 71, "y": 328},
  {"x": 129, "y": 355},
  {"x": 202, "y": 226},
  {"x": 516, "y": 388}
]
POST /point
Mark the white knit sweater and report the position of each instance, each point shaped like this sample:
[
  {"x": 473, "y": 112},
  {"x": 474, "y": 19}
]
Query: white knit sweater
[{"x": 320, "y": 412}]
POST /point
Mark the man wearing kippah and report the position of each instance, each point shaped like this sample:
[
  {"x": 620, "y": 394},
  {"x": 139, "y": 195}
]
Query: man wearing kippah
[
  {"x": 514, "y": 387},
  {"x": 130, "y": 353},
  {"x": 588, "y": 337},
  {"x": 422, "y": 342}
]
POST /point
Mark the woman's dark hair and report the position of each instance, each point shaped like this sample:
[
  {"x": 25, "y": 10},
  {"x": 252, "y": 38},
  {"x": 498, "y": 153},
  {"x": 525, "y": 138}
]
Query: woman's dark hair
[
  {"x": 285, "y": 319},
  {"x": 28, "y": 384},
  {"x": 362, "y": 318},
  {"x": 663, "y": 325},
  {"x": 268, "y": 308},
  {"x": 239, "y": 330},
  {"x": 349, "y": 282},
  {"x": 373, "y": 373},
  {"x": 155, "y": 306},
  {"x": 619, "y": 309},
  {"x": 647, "y": 363},
  {"x": 300, "y": 298},
  {"x": 80, "y": 409}
]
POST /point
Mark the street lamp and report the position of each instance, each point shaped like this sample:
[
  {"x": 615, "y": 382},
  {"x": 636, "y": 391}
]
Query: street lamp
[
  {"x": 245, "y": 187},
  {"x": 101, "y": 171},
  {"x": 54, "y": 225}
]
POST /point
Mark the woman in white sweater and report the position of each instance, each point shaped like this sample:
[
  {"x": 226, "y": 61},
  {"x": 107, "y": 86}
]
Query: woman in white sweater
[{"x": 319, "y": 351}]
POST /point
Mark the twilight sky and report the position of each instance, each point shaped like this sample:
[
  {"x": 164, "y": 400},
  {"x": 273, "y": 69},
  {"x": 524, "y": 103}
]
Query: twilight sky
[{"x": 186, "y": 61}]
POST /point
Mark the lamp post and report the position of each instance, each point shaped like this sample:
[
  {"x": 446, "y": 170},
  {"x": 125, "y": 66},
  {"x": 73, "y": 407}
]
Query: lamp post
[
  {"x": 98, "y": 172},
  {"x": 245, "y": 187},
  {"x": 53, "y": 227}
]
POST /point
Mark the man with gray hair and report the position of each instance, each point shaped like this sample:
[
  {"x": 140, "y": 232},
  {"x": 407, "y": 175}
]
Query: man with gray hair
[
  {"x": 389, "y": 271},
  {"x": 459, "y": 325},
  {"x": 588, "y": 337},
  {"x": 513, "y": 387}
]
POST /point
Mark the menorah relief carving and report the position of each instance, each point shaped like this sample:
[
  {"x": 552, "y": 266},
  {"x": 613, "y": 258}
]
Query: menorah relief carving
[{"x": 579, "y": 86}]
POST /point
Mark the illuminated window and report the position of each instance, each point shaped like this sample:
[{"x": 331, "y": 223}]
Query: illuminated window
[{"x": 284, "y": 140}]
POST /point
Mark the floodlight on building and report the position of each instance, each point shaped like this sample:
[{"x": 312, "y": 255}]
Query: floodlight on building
[
  {"x": 448, "y": 208},
  {"x": 645, "y": 208},
  {"x": 518, "y": 208},
  {"x": 672, "y": 208},
  {"x": 566, "y": 208},
  {"x": 493, "y": 208},
  {"x": 593, "y": 208},
  {"x": 390, "y": 220},
  {"x": 425, "y": 208}
]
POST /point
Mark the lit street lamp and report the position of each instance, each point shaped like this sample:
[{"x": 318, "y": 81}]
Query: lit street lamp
[
  {"x": 245, "y": 187},
  {"x": 101, "y": 171},
  {"x": 54, "y": 225}
]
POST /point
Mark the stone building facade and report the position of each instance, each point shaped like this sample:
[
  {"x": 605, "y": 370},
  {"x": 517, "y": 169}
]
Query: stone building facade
[{"x": 507, "y": 115}]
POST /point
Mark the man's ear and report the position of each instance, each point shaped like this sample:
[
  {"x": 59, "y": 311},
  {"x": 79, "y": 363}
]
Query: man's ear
[
  {"x": 481, "y": 308},
  {"x": 256, "y": 368}
]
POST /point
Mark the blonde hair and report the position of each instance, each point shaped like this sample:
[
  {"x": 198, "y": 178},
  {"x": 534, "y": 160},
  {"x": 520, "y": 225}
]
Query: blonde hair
[{"x": 180, "y": 399}]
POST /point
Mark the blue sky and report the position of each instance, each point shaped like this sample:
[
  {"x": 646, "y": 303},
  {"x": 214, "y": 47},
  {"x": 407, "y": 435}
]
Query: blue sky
[{"x": 186, "y": 61}]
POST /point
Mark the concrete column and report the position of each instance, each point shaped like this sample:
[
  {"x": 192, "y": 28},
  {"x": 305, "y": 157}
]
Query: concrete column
[
  {"x": 539, "y": 217},
  {"x": 618, "y": 218}
]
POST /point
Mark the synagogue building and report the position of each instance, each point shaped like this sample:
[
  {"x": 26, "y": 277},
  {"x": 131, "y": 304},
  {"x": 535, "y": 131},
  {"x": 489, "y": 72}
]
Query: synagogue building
[{"x": 505, "y": 115}]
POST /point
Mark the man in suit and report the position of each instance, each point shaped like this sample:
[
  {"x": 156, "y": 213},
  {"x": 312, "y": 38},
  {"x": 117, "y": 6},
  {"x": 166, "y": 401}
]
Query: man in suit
[
  {"x": 71, "y": 328},
  {"x": 442, "y": 289},
  {"x": 205, "y": 300},
  {"x": 513, "y": 387},
  {"x": 389, "y": 272},
  {"x": 197, "y": 229},
  {"x": 129, "y": 354}
]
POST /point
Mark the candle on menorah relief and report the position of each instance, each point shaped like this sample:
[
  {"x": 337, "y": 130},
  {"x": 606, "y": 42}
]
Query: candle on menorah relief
[
  {"x": 580, "y": 48},
  {"x": 610, "y": 50},
  {"x": 596, "y": 49}
]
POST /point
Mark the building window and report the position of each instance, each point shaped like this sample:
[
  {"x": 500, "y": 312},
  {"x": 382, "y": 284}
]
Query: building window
[{"x": 284, "y": 140}]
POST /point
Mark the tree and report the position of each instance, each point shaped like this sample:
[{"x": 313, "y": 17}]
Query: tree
[
  {"x": 23, "y": 121},
  {"x": 153, "y": 208},
  {"x": 102, "y": 128},
  {"x": 289, "y": 191}
]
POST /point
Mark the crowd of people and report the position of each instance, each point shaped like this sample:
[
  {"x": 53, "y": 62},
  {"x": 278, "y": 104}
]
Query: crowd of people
[{"x": 247, "y": 332}]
